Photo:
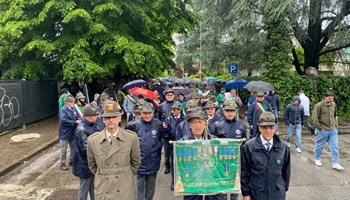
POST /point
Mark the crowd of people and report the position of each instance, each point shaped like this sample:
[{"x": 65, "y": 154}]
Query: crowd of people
[{"x": 122, "y": 163}]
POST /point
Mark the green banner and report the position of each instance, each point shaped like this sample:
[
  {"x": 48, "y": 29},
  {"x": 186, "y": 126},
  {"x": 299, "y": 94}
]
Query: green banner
[{"x": 206, "y": 166}]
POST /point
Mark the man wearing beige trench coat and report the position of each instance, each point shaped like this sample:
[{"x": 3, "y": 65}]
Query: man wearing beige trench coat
[{"x": 114, "y": 157}]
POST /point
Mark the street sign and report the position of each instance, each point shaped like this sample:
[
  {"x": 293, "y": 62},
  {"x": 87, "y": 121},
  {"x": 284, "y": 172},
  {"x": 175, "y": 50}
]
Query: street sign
[{"x": 233, "y": 68}]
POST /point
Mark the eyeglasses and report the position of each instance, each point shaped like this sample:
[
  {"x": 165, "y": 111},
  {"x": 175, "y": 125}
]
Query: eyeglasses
[
  {"x": 169, "y": 95},
  {"x": 260, "y": 96}
]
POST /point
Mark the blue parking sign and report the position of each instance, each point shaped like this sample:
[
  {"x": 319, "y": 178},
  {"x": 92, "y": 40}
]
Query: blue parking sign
[{"x": 233, "y": 68}]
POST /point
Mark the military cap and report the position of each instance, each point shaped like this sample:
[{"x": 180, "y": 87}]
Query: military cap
[
  {"x": 69, "y": 98},
  {"x": 197, "y": 114},
  {"x": 260, "y": 93},
  {"x": 136, "y": 110},
  {"x": 209, "y": 104},
  {"x": 191, "y": 105},
  {"x": 104, "y": 96},
  {"x": 197, "y": 96},
  {"x": 90, "y": 110},
  {"x": 147, "y": 108},
  {"x": 230, "y": 105},
  {"x": 169, "y": 90},
  {"x": 79, "y": 95},
  {"x": 176, "y": 105},
  {"x": 141, "y": 102},
  {"x": 267, "y": 119},
  {"x": 111, "y": 109}
]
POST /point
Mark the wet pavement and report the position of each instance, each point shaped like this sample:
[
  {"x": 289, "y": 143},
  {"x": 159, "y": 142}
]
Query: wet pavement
[{"x": 40, "y": 177}]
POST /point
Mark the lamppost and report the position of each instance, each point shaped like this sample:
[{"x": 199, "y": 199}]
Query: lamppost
[{"x": 313, "y": 73}]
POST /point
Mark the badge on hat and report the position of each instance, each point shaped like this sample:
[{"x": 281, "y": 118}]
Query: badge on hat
[{"x": 110, "y": 107}]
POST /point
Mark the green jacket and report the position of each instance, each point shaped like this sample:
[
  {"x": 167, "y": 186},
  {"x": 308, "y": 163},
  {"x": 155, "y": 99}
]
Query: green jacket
[{"x": 324, "y": 116}]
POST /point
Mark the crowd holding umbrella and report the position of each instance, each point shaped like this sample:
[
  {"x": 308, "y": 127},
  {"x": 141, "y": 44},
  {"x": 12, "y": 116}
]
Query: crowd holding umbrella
[
  {"x": 135, "y": 83},
  {"x": 237, "y": 83},
  {"x": 258, "y": 86},
  {"x": 144, "y": 93}
]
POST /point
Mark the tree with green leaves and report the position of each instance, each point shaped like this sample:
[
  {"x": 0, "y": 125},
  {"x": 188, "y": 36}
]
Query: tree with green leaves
[
  {"x": 222, "y": 41},
  {"x": 83, "y": 40},
  {"x": 320, "y": 26}
]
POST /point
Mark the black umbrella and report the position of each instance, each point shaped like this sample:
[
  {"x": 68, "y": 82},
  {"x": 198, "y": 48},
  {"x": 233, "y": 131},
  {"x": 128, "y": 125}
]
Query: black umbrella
[
  {"x": 255, "y": 86},
  {"x": 135, "y": 83}
]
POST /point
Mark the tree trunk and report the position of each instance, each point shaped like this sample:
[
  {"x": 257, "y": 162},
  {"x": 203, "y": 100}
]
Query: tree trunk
[{"x": 311, "y": 45}]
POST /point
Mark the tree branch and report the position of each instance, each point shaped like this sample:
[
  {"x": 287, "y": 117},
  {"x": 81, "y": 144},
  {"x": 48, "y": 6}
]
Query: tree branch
[
  {"x": 345, "y": 10},
  {"x": 328, "y": 61},
  {"x": 334, "y": 49},
  {"x": 296, "y": 62}
]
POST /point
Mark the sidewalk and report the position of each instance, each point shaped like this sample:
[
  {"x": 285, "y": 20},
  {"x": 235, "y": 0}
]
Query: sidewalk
[{"x": 15, "y": 153}]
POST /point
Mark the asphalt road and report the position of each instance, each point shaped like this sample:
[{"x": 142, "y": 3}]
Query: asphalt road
[{"x": 40, "y": 177}]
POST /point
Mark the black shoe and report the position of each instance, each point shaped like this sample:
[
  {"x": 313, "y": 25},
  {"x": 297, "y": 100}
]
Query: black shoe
[
  {"x": 167, "y": 171},
  {"x": 63, "y": 167},
  {"x": 172, "y": 187}
]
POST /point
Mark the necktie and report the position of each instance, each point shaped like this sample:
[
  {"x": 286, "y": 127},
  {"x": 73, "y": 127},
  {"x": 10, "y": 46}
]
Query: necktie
[
  {"x": 112, "y": 138},
  {"x": 268, "y": 146}
]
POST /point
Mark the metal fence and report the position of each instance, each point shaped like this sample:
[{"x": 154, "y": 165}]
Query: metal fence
[{"x": 23, "y": 102}]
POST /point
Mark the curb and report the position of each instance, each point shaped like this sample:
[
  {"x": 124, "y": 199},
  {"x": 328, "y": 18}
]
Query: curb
[{"x": 32, "y": 154}]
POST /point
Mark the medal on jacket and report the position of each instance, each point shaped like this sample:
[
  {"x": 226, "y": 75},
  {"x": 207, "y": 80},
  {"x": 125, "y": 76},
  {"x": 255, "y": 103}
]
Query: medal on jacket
[
  {"x": 229, "y": 153},
  {"x": 195, "y": 154},
  {"x": 179, "y": 153},
  {"x": 225, "y": 153},
  {"x": 216, "y": 150},
  {"x": 220, "y": 153},
  {"x": 187, "y": 172},
  {"x": 226, "y": 169},
  {"x": 189, "y": 155}
]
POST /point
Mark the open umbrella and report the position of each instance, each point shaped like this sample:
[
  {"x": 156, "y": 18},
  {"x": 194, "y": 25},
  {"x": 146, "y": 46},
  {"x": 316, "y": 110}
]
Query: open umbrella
[
  {"x": 209, "y": 79},
  {"x": 237, "y": 83},
  {"x": 135, "y": 83},
  {"x": 195, "y": 80},
  {"x": 180, "y": 89},
  {"x": 144, "y": 92},
  {"x": 255, "y": 86}
]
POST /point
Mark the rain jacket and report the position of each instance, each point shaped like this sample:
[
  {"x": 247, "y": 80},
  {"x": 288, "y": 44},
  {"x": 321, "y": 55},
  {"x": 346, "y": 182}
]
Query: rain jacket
[
  {"x": 67, "y": 123},
  {"x": 172, "y": 123},
  {"x": 253, "y": 115},
  {"x": 80, "y": 162},
  {"x": 183, "y": 130},
  {"x": 164, "y": 110},
  {"x": 213, "y": 121},
  {"x": 265, "y": 174},
  {"x": 150, "y": 135},
  {"x": 294, "y": 114},
  {"x": 235, "y": 129},
  {"x": 273, "y": 100}
]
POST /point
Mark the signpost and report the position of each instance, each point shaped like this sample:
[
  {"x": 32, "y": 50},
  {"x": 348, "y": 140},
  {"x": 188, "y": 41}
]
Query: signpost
[{"x": 233, "y": 68}]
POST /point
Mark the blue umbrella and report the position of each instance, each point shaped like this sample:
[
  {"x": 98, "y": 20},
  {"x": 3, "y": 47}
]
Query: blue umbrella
[
  {"x": 210, "y": 79},
  {"x": 237, "y": 83},
  {"x": 135, "y": 83}
]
